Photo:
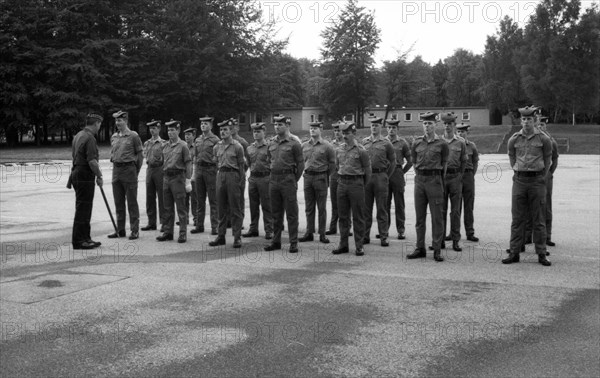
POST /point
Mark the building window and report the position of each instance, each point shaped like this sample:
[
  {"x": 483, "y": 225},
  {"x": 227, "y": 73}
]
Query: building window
[
  {"x": 466, "y": 116},
  {"x": 408, "y": 117},
  {"x": 321, "y": 117},
  {"x": 349, "y": 118},
  {"x": 312, "y": 118}
]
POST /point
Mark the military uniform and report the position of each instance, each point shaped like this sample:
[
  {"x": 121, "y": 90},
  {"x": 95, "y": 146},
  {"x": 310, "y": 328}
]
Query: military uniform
[
  {"x": 530, "y": 156},
  {"x": 154, "y": 179},
  {"x": 229, "y": 157},
  {"x": 468, "y": 185},
  {"x": 397, "y": 181},
  {"x": 429, "y": 157},
  {"x": 354, "y": 169},
  {"x": 191, "y": 200},
  {"x": 127, "y": 158},
  {"x": 85, "y": 152},
  {"x": 205, "y": 178},
  {"x": 245, "y": 145},
  {"x": 382, "y": 157},
  {"x": 333, "y": 184},
  {"x": 319, "y": 160},
  {"x": 177, "y": 160},
  {"x": 287, "y": 165},
  {"x": 258, "y": 186}
]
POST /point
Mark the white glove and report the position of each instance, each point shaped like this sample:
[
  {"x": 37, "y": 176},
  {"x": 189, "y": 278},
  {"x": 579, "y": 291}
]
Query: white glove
[{"x": 188, "y": 185}]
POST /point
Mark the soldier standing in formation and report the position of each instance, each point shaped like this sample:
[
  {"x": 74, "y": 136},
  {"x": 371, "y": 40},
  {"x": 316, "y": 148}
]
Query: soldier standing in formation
[
  {"x": 287, "y": 165},
  {"x": 337, "y": 141},
  {"x": 530, "y": 155},
  {"x": 85, "y": 169},
  {"x": 468, "y": 181},
  {"x": 191, "y": 202},
  {"x": 258, "y": 183},
  {"x": 154, "y": 176},
  {"x": 397, "y": 182},
  {"x": 429, "y": 154},
  {"x": 177, "y": 173},
  {"x": 319, "y": 162},
  {"x": 127, "y": 158},
  {"x": 382, "y": 157},
  {"x": 205, "y": 175},
  {"x": 457, "y": 161},
  {"x": 354, "y": 170},
  {"x": 229, "y": 157},
  {"x": 235, "y": 136}
]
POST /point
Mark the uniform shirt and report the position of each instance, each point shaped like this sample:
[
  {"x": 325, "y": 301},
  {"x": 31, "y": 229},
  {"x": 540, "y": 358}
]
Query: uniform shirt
[
  {"x": 472, "y": 155},
  {"x": 245, "y": 145},
  {"x": 176, "y": 155},
  {"x": 203, "y": 148},
  {"x": 285, "y": 153},
  {"x": 319, "y": 156},
  {"x": 85, "y": 147},
  {"x": 259, "y": 160},
  {"x": 125, "y": 147},
  {"x": 381, "y": 151},
  {"x": 529, "y": 153},
  {"x": 153, "y": 151},
  {"x": 402, "y": 151},
  {"x": 229, "y": 155},
  {"x": 427, "y": 154},
  {"x": 457, "y": 154},
  {"x": 554, "y": 152},
  {"x": 352, "y": 159}
]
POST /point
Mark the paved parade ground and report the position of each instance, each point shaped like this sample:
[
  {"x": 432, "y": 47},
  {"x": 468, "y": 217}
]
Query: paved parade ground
[{"x": 143, "y": 308}]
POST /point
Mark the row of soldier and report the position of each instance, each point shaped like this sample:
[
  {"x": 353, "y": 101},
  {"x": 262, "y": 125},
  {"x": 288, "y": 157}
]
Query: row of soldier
[{"x": 357, "y": 175}]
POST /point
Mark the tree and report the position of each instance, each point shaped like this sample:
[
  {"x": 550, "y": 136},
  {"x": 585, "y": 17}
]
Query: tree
[
  {"x": 348, "y": 65},
  {"x": 439, "y": 73},
  {"x": 463, "y": 78}
]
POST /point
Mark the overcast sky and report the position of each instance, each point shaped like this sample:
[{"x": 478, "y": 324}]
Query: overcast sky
[{"x": 436, "y": 28}]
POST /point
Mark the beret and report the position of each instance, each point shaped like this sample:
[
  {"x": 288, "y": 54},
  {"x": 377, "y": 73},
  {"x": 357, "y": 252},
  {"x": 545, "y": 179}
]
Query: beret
[
  {"x": 227, "y": 122},
  {"x": 154, "y": 122},
  {"x": 316, "y": 124},
  {"x": 95, "y": 116},
  {"x": 544, "y": 119},
  {"x": 190, "y": 130},
  {"x": 429, "y": 116},
  {"x": 463, "y": 126},
  {"x": 448, "y": 117},
  {"x": 206, "y": 119},
  {"x": 173, "y": 123},
  {"x": 347, "y": 126},
  {"x": 376, "y": 120},
  {"x": 528, "y": 111},
  {"x": 392, "y": 122},
  {"x": 258, "y": 126},
  {"x": 120, "y": 114},
  {"x": 281, "y": 118}
]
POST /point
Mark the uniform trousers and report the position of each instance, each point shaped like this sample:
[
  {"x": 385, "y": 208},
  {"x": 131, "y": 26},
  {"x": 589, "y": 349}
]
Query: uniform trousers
[
  {"x": 333, "y": 184},
  {"x": 258, "y": 193},
  {"x": 453, "y": 195},
  {"x": 206, "y": 186},
  {"x": 548, "y": 212},
  {"x": 125, "y": 185},
  {"x": 154, "y": 189},
  {"x": 83, "y": 182},
  {"x": 528, "y": 201},
  {"x": 315, "y": 197},
  {"x": 229, "y": 202},
  {"x": 429, "y": 190},
  {"x": 468, "y": 199},
  {"x": 376, "y": 191},
  {"x": 282, "y": 190},
  {"x": 174, "y": 195},
  {"x": 396, "y": 191},
  {"x": 351, "y": 202}
]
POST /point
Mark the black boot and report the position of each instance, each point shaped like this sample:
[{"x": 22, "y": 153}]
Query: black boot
[{"x": 513, "y": 257}]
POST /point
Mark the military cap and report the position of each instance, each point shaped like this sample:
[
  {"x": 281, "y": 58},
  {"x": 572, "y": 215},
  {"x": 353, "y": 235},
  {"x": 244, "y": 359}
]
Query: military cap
[
  {"x": 316, "y": 124},
  {"x": 392, "y": 122},
  {"x": 528, "y": 111},
  {"x": 280, "y": 118},
  {"x": 543, "y": 119},
  {"x": 258, "y": 126},
  {"x": 347, "y": 126},
  {"x": 94, "y": 116},
  {"x": 206, "y": 119},
  {"x": 463, "y": 126},
  {"x": 429, "y": 116},
  {"x": 227, "y": 122},
  {"x": 448, "y": 117},
  {"x": 154, "y": 123},
  {"x": 121, "y": 114},
  {"x": 173, "y": 123},
  {"x": 190, "y": 130},
  {"x": 375, "y": 120}
]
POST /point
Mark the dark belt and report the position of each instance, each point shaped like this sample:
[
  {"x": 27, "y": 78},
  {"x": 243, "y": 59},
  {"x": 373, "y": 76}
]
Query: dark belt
[
  {"x": 174, "y": 172},
  {"x": 282, "y": 171},
  {"x": 352, "y": 177},
  {"x": 260, "y": 174},
  {"x": 452, "y": 170},
  {"x": 529, "y": 173},
  {"x": 155, "y": 165},
  {"x": 205, "y": 164},
  {"x": 379, "y": 170},
  {"x": 315, "y": 173},
  {"x": 124, "y": 164},
  {"x": 428, "y": 172},
  {"x": 227, "y": 169},
  {"x": 468, "y": 170}
]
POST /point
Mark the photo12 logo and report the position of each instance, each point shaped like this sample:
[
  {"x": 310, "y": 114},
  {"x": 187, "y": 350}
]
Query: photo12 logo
[
  {"x": 296, "y": 11},
  {"x": 466, "y": 11}
]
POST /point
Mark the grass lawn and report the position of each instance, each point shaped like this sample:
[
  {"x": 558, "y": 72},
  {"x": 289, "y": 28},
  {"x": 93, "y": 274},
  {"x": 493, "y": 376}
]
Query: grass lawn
[{"x": 583, "y": 139}]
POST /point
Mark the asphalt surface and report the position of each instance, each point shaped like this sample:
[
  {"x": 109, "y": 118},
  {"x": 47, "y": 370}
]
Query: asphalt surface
[{"x": 142, "y": 308}]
